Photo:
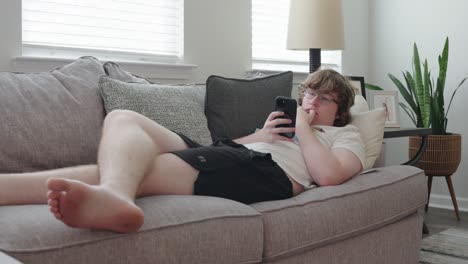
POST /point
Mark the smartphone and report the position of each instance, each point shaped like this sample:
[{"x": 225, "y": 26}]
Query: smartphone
[{"x": 288, "y": 106}]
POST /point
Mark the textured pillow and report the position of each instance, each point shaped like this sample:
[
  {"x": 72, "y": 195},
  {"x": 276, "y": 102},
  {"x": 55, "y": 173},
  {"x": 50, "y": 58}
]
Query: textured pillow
[
  {"x": 114, "y": 71},
  {"x": 236, "y": 107},
  {"x": 178, "y": 108},
  {"x": 50, "y": 119},
  {"x": 371, "y": 125}
]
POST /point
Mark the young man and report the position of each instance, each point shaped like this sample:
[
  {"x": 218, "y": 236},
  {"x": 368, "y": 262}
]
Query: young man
[{"x": 138, "y": 157}]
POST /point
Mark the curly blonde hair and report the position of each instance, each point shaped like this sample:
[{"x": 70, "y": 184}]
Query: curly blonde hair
[{"x": 331, "y": 81}]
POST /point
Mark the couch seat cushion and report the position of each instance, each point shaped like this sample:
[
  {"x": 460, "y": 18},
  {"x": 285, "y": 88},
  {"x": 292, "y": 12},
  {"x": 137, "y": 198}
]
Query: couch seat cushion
[
  {"x": 177, "y": 229},
  {"x": 325, "y": 215}
]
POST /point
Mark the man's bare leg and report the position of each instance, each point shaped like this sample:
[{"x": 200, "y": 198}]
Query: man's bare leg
[
  {"x": 128, "y": 151},
  {"x": 30, "y": 188},
  {"x": 85, "y": 206}
]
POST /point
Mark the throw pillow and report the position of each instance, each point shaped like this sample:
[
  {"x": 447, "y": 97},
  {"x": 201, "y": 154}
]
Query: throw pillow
[
  {"x": 50, "y": 119},
  {"x": 371, "y": 124},
  {"x": 360, "y": 104},
  {"x": 236, "y": 107},
  {"x": 178, "y": 108}
]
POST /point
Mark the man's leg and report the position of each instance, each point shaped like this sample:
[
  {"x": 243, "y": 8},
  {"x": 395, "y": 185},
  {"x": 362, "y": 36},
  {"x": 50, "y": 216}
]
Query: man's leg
[
  {"x": 80, "y": 205},
  {"x": 30, "y": 188},
  {"x": 132, "y": 148}
]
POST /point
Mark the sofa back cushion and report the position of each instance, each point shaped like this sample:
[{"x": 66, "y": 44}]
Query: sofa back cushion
[
  {"x": 176, "y": 107},
  {"x": 50, "y": 119},
  {"x": 236, "y": 107}
]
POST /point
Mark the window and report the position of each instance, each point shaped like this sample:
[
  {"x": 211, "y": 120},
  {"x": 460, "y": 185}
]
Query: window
[
  {"x": 149, "y": 30},
  {"x": 269, "y": 31}
]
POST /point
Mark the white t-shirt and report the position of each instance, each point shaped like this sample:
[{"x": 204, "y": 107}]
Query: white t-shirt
[{"x": 289, "y": 157}]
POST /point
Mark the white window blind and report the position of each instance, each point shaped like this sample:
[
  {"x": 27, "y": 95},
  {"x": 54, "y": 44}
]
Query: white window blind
[
  {"x": 269, "y": 32},
  {"x": 153, "y": 27}
]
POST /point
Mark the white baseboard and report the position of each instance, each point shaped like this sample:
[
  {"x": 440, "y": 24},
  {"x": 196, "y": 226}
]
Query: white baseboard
[{"x": 445, "y": 202}]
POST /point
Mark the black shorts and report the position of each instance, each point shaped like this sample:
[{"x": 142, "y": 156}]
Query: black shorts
[{"x": 232, "y": 171}]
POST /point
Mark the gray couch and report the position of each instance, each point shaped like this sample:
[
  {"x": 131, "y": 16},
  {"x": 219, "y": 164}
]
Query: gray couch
[{"x": 53, "y": 119}]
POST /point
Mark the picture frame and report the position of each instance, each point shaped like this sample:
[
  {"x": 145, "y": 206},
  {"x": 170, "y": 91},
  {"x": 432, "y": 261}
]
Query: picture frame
[
  {"x": 388, "y": 100},
  {"x": 358, "y": 83}
]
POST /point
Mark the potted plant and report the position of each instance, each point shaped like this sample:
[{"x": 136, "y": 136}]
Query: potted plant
[{"x": 425, "y": 105}]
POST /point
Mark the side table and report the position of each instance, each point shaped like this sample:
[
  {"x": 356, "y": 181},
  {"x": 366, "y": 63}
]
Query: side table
[{"x": 406, "y": 132}]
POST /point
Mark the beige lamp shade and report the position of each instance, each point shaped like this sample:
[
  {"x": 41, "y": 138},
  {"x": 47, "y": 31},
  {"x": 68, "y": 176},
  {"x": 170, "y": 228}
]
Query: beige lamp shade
[{"x": 315, "y": 24}]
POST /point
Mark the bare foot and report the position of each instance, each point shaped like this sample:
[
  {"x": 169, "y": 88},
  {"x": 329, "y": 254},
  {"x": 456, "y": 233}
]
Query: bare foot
[{"x": 78, "y": 204}]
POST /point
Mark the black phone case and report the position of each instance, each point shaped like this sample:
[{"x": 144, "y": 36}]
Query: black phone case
[{"x": 288, "y": 106}]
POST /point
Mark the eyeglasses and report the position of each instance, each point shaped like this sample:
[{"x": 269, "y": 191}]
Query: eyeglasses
[{"x": 323, "y": 98}]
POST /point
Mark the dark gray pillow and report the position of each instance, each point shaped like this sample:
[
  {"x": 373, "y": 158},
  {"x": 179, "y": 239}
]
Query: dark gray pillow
[
  {"x": 236, "y": 107},
  {"x": 176, "y": 107}
]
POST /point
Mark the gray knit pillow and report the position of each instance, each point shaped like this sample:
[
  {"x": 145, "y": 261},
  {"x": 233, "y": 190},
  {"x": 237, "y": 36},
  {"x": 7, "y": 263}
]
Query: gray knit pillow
[{"x": 176, "y": 107}]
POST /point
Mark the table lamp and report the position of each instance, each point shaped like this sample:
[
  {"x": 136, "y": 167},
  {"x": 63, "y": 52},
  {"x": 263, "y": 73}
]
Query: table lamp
[{"x": 315, "y": 25}]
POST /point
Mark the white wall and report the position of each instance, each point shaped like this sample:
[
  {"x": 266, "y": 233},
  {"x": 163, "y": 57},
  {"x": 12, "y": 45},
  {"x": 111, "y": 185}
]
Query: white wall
[
  {"x": 355, "y": 56},
  {"x": 394, "y": 27},
  {"x": 10, "y": 32},
  {"x": 217, "y": 37}
]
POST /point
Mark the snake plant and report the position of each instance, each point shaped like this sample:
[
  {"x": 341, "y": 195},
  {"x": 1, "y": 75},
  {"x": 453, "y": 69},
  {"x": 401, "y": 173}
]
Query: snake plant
[{"x": 425, "y": 103}]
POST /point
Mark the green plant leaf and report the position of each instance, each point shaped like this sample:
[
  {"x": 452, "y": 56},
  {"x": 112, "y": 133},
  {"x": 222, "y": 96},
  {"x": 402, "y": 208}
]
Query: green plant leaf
[
  {"x": 417, "y": 75},
  {"x": 410, "y": 84},
  {"x": 425, "y": 105},
  {"x": 437, "y": 119},
  {"x": 443, "y": 63},
  {"x": 369, "y": 86},
  {"x": 438, "y": 102},
  {"x": 405, "y": 92},
  {"x": 409, "y": 113},
  {"x": 413, "y": 100},
  {"x": 450, "y": 103},
  {"x": 439, "y": 116}
]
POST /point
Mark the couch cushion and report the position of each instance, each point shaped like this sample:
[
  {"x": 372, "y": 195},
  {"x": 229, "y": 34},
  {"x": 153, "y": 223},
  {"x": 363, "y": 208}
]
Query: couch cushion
[
  {"x": 236, "y": 107},
  {"x": 177, "y": 107},
  {"x": 325, "y": 215},
  {"x": 50, "y": 119},
  {"x": 177, "y": 229}
]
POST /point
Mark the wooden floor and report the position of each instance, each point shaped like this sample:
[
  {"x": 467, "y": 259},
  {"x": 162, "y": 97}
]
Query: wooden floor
[{"x": 438, "y": 220}]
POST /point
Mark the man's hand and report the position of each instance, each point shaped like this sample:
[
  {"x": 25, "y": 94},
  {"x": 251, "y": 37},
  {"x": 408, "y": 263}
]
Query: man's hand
[
  {"x": 304, "y": 117},
  {"x": 269, "y": 133}
]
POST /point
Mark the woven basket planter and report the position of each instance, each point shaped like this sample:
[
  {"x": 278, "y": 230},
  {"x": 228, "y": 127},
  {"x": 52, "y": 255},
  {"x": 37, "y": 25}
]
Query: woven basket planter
[{"x": 442, "y": 155}]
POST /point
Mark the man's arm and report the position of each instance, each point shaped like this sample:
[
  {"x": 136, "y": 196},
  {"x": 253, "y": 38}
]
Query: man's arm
[{"x": 325, "y": 166}]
